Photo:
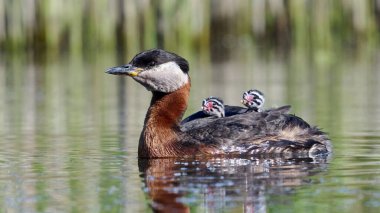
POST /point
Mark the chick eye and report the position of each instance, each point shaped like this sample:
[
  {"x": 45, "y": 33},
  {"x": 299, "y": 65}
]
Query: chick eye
[{"x": 152, "y": 63}]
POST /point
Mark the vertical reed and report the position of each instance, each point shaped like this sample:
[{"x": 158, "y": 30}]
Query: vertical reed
[{"x": 59, "y": 26}]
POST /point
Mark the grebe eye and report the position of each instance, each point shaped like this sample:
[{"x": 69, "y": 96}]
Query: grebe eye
[{"x": 152, "y": 63}]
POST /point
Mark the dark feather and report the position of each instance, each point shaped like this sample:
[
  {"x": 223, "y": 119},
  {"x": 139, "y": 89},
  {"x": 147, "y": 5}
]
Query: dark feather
[{"x": 271, "y": 131}]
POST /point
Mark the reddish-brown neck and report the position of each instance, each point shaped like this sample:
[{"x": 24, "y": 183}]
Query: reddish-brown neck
[{"x": 162, "y": 123}]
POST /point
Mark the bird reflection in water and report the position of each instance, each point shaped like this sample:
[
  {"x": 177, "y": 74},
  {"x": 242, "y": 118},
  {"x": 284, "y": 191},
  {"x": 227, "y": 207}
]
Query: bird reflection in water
[{"x": 176, "y": 185}]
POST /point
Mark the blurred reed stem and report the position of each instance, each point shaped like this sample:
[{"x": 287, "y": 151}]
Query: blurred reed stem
[{"x": 55, "y": 27}]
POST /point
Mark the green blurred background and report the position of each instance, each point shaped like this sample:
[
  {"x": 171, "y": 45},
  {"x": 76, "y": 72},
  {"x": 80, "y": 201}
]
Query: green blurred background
[{"x": 49, "y": 27}]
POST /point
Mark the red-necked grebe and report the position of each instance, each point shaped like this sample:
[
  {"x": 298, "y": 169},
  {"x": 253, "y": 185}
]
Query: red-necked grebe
[{"x": 165, "y": 74}]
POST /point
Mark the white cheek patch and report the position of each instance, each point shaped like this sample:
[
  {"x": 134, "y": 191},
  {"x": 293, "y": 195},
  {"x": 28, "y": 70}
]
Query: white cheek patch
[{"x": 166, "y": 77}]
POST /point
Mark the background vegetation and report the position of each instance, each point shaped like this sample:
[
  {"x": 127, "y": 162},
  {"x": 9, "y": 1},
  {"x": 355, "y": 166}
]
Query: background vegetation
[{"x": 203, "y": 26}]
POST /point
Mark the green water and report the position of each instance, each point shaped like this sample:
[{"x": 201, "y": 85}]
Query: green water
[{"x": 69, "y": 134}]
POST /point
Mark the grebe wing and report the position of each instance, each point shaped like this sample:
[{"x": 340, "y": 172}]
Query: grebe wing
[
  {"x": 258, "y": 133},
  {"x": 233, "y": 110},
  {"x": 198, "y": 118},
  {"x": 229, "y": 111},
  {"x": 200, "y": 121},
  {"x": 196, "y": 123},
  {"x": 194, "y": 116},
  {"x": 283, "y": 109}
]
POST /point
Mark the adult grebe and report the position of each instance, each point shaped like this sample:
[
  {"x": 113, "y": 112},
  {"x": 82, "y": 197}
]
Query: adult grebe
[
  {"x": 253, "y": 99},
  {"x": 165, "y": 74}
]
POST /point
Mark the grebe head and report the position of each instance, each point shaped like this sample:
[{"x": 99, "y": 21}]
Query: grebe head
[
  {"x": 253, "y": 99},
  {"x": 157, "y": 70},
  {"x": 213, "y": 106}
]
